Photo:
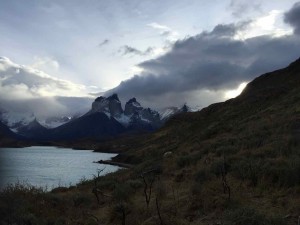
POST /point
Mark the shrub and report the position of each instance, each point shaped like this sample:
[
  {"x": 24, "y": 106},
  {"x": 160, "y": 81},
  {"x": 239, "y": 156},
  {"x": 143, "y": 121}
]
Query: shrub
[
  {"x": 135, "y": 184},
  {"x": 122, "y": 192},
  {"x": 107, "y": 184},
  {"x": 226, "y": 150},
  {"x": 249, "y": 170},
  {"x": 184, "y": 161},
  {"x": 196, "y": 188},
  {"x": 284, "y": 173},
  {"x": 248, "y": 216},
  {"x": 81, "y": 199},
  {"x": 217, "y": 167},
  {"x": 119, "y": 211},
  {"x": 202, "y": 175}
]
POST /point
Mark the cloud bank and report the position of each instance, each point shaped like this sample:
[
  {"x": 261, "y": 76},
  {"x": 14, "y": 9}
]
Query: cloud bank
[
  {"x": 212, "y": 62},
  {"x": 26, "y": 89},
  {"x": 18, "y": 81}
]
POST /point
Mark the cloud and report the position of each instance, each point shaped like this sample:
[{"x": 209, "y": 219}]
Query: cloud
[
  {"x": 214, "y": 62},
  {"x": 164, "y": 31},
  {"x": 19, "y": 81},
  {"x": 128, "y": 50},
  {"x": 241, "y": 7},
  {"x": 104, "y": 42},
  {"x": 292, "y": 17},
  {"x": 24, "y": 89},
  {"x": 159, "y": 26},
  {"x": 45, "y": 62}
]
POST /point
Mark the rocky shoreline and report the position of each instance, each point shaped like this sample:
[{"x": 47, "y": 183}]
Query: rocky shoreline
[{"x": 110, "y": 162}]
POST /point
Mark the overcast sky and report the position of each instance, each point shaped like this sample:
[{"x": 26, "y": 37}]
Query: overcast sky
[{"x": 162, "y": 52}]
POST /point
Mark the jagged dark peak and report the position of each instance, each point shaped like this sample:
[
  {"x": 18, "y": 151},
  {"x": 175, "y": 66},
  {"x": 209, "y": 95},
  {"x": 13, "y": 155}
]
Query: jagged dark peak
[
  {"x": 131, "y": 100},
  {"x": 150, "y": 110},
  {"x": 99, "y": 99},
  {"x": 185, "y": 108},
  {"x": 149, "y": 114},
  {"x": 132, "y": 106},
  {"x": 135, "y": 117},
  {"x": 113, "y": 97},
  {"x": 136, "y": 114},
  {"x": 110, "y": 105}
]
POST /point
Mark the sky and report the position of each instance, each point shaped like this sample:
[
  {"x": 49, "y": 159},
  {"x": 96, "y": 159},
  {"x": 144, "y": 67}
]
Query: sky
[{"x": 164, "y": 53}]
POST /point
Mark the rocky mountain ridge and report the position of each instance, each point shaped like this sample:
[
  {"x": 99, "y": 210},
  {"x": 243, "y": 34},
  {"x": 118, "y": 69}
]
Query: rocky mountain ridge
[
  {"x": 106, "y": 118},
  {"x": 133, "y": 114}
]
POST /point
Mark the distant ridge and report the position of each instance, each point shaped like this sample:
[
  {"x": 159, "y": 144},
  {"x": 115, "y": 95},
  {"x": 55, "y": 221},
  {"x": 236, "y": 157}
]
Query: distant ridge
[{"x": 106, "y": 119}]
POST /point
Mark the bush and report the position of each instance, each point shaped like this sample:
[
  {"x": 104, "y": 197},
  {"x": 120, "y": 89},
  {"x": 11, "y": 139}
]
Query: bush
[
  {"x": 135, "y": 184},
  {"x": 196, "y": 188},
  {"x": 184, "y": 161},
  {"x": 81, "y": 199},
  {"x": 248, "y": 216},
  {"x": 119, "y": 211},
  {"x": 107, "y": 184},
  {"x": 217, "y": 167},
  {"x": 226, "y": 150},
  {"x": 15, "y": 200},
  {"x": 249, "y": 170},
  {"x": 284, "y": 173},
  {"x": 122, "y": 192},
  {"x": 202, "y": 175}
]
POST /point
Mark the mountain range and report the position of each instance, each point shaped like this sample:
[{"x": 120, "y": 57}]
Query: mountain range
[{"x": 105, "y": 119}]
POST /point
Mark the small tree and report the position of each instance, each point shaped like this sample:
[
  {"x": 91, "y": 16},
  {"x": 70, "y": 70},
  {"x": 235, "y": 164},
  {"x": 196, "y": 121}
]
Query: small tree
[
  {"x": 121, "y": 200},
  {"x": 148, "y": 179},
  {"x": 96, "y": 191},
  {"x": 160, "y": 192}
]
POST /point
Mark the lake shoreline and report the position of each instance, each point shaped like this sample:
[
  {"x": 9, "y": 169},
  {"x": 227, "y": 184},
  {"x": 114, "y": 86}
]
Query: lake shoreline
[{"x": 114, "y": 163}]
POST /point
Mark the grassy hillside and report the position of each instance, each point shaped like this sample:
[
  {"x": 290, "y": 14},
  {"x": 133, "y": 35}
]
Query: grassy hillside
[{"x": 232, "y": 163}]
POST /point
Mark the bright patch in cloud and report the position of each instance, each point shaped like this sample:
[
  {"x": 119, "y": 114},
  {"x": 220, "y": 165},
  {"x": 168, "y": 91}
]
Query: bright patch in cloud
[
  {"x": 158, "y": 26},
  {"x": 136, "y": 70},
  {"x": 45, "y": 63},
  {"x": 271, "y": 25}
]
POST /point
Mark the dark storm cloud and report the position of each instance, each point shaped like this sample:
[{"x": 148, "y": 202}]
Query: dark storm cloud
[
  {"x": 104, "y": 42},
  {"x": 128, "y": 50},
  {"x": 212, "y": 61},
  {"x": 292, "y": 17}
]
